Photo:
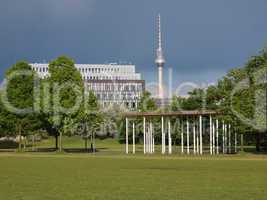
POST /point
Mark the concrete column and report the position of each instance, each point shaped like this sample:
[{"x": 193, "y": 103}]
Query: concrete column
[
  {"x": 197, "y": 134},
  {"x": 229, "y": 139},
  {"x": 169, "y": 136},
  {"x": 187, "y": 136},
  {"x": 127, "y": 148},
  {"x": 182, "y": 138},
  {"x": 144, "y": 131},
  {"x": 133, "y": 138},
  {"x": 223, "y": 137},
  {"x": 217, "y": 136},
  {"x": 162, "y": 136},
  {"x": 226, "y": 138},
  {"x": 213, "y": 138},
  {"x": 200, "y": 134},
  {"x": 194, "y": 137},
  {"x": 151, "y": 138},
  {"x": 210, "y": 135},
  {"x": 147, "y": 139}
]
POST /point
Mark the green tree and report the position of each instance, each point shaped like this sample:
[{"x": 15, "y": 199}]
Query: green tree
[
  {"x": 18, "y": 114},
  {"x": 65, "y": 96},
  {"x": 147, "y": 103},
  {"x": 226, "y": 99},
  {"x": 90, "y": 119}
]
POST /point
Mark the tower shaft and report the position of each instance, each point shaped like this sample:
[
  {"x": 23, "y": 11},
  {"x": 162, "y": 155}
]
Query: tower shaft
[{"x": 160, "y": 79}]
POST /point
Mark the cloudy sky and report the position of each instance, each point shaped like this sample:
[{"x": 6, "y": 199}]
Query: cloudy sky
[{"x": 202, "y": 39}]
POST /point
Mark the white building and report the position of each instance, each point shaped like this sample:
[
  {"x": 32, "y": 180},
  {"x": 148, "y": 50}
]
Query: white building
[{"x": 111, "y": 83}]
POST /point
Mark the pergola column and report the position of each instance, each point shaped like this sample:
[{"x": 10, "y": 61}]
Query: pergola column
[
  {"x": 127, "y": 147},
  {"x": 151, "y": 138},
  {"x": 200, "y": 134},
  {"x": 133, "y": 138},
  {"x": 229, "y": 139},
  {"x": 197, "y": 134},
  {"x": 169, "y": 136},
  {"x": 217, "y": 136},
  {"x": 182, "y": 137},
  {"x": 187, "y": 135},
  {"x": 194, "y": 137},
  {"x": 147, "y": 138},
  {"x": 144, "y": 131},
  {"x": 162, "y": 136},
  {"x": 223, "y": 137},
  {"x": 210, "y": 126},
  {"x": 213, "y": 138},
  {"x": 226, "y": 138}
]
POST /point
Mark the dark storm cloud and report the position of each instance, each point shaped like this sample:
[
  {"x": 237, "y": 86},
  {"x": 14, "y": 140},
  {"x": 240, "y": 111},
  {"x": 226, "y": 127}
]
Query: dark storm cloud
[{"x": 202, "y": 39}]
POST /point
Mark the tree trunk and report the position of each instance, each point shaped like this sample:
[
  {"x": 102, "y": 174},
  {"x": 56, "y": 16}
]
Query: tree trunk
[
  {"x": 94, "y": 142},
  {"x": 60, "y": 141},
  {"x": 33, "y": 142},
  {"x": 92, "y": 147},
  {"x": 86, "y": 144},
  {"x": 56, "y": 138},
  {"x": 242, "y": 142},
  {"x": 20, "y": 138},
  {"x": 24, "y": 143},
  {"x": 258, "y": 141},
  {"x": 20, "y": 145}
]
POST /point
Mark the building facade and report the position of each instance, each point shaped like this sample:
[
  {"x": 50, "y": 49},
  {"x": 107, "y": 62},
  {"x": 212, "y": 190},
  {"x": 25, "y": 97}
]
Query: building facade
[{"x": 113, "y": 84}]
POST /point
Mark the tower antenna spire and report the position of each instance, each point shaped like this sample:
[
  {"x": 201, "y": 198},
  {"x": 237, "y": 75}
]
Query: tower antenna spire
[
  {"x": 159, "y": 57},
  {"x": 159, "y": 32},
  {"x": 160, "y": 61}
]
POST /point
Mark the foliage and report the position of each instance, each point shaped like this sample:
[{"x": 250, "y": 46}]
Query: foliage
[
  {"x": 147, "y": 103},
  {"x": 227, "y": 99},
  {"x": 21, "y": 118},
  {"x": 66, "y": 87},
  {"x": 90, "y": 119}
]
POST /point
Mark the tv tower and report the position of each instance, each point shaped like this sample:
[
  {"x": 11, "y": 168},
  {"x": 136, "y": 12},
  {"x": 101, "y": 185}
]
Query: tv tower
[{"x": 160, "y": 61}]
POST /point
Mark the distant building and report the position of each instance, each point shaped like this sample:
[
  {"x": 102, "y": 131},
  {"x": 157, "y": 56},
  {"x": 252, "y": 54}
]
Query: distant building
[{"x": 111, "y": 83}]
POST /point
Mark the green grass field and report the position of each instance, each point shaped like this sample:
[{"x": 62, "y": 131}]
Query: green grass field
[
  {"x": 46, "y": 176},
  {"x": 77, "y": 176}
]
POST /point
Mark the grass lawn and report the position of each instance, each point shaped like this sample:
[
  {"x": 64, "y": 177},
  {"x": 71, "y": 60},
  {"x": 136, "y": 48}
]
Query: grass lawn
[
  {"x": 77, "y": 142},
  {"x": 42, "y": 176},
  {"x": 110, "y": 174}
]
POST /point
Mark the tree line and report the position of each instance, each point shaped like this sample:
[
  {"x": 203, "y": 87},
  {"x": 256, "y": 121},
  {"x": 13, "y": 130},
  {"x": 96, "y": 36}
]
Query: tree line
[
  {"x": 61, "y": 105},
  {"x": 240, "y": 96},
  {"x": 58, "y": 104}
]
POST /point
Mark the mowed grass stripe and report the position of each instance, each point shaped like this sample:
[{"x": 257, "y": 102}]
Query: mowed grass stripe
[{"x": 63, "y": 177}]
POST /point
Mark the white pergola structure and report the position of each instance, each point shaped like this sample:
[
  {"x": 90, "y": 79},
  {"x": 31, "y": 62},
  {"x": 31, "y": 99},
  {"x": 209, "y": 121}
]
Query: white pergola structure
[{"x": 192, "y": 124}]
